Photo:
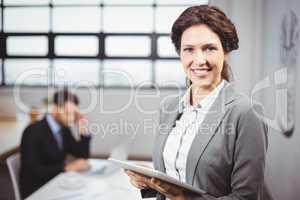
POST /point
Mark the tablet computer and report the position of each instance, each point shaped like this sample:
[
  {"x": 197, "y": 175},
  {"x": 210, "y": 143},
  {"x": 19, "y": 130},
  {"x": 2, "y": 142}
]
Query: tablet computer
[{"x": 155, "y": 174}]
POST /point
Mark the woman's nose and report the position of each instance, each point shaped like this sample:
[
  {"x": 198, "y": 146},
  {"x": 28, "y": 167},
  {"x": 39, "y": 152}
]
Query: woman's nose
[{"x": 199, "y": 58}]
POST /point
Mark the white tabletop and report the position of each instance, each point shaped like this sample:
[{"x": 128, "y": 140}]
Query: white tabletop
[{"x": 104, "y": 181}]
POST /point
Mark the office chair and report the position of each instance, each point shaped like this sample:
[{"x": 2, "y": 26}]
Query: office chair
[{"x": 13, "y": 163}]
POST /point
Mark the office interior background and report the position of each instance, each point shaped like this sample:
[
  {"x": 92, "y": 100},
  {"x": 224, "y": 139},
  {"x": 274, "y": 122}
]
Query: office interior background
[{"x": 118, "y": 57}]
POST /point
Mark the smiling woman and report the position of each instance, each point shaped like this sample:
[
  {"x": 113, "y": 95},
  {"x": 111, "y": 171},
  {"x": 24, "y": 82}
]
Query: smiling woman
[
  {"x": 211, "y": 131},
  {"x": 202, "y": 57}
]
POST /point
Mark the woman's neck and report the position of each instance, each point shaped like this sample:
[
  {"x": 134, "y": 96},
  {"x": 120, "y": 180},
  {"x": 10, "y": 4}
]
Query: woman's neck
[{"x": 198, "y": 93}]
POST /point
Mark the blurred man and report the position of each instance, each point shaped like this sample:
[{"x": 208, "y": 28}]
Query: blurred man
[{"x": 46, "y": 143}]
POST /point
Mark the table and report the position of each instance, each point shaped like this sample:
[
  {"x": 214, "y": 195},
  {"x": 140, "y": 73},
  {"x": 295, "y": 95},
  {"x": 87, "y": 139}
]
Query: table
[{"x": 103, "y": 181}]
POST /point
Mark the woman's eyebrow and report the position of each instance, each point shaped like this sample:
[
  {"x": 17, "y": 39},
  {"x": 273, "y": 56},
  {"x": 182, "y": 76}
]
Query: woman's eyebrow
[
  {"x": 204, "y": 45},
  {"x": 210, "y": 45},
  {"x": 187, "y": 45}
]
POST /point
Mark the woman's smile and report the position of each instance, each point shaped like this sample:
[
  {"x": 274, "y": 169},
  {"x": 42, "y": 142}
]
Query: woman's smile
[{"x": 200, "y": 71}]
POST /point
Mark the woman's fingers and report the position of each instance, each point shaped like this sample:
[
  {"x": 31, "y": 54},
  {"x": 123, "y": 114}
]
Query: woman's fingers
[
  {"x": 137, "y": 180},
  {"x": 137, "y": 184},
  {"x": 137, "y": 176},
  {"x": 158, "y": 186},
  {"x": 169, "y": 190}
]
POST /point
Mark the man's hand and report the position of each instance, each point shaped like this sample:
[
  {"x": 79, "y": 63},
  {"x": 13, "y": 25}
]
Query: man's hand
[
  {"x": 77, "y": 165},
  {"x": 82, "y": 123}
]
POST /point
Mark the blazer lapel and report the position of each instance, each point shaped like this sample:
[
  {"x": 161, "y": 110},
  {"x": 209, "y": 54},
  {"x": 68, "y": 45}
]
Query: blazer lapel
[
  {"x": 207, "y": 130},
  {"x": 166, "y": 125}
]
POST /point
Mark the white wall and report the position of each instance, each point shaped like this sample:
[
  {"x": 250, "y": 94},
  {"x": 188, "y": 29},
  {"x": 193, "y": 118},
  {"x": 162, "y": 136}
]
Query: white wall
[
  {"x": 284, "y": 153},
  {"x": 258, "y": 23}
]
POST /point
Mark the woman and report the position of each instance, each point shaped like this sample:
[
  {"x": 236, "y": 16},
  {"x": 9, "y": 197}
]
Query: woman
[{"x": 215, "y": 141}]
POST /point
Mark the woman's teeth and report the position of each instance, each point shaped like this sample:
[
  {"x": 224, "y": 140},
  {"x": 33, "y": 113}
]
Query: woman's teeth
[{"x": 200, "y": 72}]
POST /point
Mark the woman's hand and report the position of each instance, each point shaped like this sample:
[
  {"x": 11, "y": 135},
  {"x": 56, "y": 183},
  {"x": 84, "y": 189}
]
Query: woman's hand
[
  {"x": 169, "y": 190},
  {"x": 137, "y": 180}
]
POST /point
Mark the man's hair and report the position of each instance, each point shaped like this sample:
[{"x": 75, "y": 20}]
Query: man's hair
[{"x": 62, "y": 96}]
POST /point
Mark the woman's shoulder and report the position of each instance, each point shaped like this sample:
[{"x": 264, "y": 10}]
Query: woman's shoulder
[{"x": 243, "y": 105}]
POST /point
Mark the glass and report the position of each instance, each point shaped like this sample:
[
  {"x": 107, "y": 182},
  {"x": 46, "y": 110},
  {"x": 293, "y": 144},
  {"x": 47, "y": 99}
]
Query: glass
[
  {"x": 127, "y": 46},
  {"x": 77, "y": 19},
  {"x": 27, "y": 71},
  {"x": 26, "y": 2},
  {"x": 169, "y": 73},
  {"x": 181, "y": 2},
  {"x": 26, "y": 19},
  {"x": 165, "y": 48},
  {"x": 76, "y": 2},
  {"x": 76, "y": 72},
  {"x": 165, "y": 17},
  {"x": 127, "y": 72},
  {"x": 27, "y": 45},
  {"x": 76, "y": 45},
  {"x": 126, "y": 2},
  {"x": 128, "y": 19}
]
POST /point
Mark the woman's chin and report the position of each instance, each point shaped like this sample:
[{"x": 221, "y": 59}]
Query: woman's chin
[{"x": 203, "y": 83}]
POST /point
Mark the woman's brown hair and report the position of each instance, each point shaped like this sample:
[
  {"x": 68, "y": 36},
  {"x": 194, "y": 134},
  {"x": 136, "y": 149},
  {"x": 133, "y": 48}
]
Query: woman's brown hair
[{"x": 216, "y": 20}]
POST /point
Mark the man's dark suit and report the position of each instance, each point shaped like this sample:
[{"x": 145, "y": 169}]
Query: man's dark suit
[{"x": 41, "y": 157}]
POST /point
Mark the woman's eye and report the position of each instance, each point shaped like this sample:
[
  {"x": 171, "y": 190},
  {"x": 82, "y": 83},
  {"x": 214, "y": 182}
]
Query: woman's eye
[
  {"x": 188, "y": 49},
  {"x": 211, "y": 48}
]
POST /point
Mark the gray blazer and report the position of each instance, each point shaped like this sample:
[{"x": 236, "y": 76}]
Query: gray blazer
[{"x": 227, "y": 156}]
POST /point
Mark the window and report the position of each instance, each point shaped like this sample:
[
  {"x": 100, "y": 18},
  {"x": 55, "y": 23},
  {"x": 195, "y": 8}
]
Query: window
[
  {"x": 127, "y": 46},
  {"x": 165, "y": 47},
  {"x": 127, "y": 72},
  {"x": 76, "y": 72},
  {"x": 26, "y": 19},
  {"x": 76, "y": 2},
  {"x": 27, "y": 45},
  {"x": 106, "y": 43},
  {"x": 164, "y": 68},
  {"x": 26, "y": 2},
  {"x": 27, "y": 71},
  {"x": 181, "y": 2},
  {"x": 76, "y": 45},
  {"x": 125, "y": 20},
  {"x": 165, "y": 17},
  {"x": 77, "y": 19}
]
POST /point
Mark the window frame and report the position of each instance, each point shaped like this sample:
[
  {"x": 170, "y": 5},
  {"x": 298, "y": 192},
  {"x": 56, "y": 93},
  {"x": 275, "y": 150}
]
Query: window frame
[{"x": 153, "y": 57}]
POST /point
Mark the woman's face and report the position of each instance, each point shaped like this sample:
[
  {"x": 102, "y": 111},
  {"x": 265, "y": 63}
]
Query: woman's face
[{"x": 202, "y": 56}]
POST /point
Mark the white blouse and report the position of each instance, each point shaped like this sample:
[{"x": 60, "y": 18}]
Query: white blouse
[{"x": 182, "y": 135}]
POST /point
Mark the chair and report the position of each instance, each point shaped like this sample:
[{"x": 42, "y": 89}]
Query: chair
[{"x": 13, "y": 164}]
